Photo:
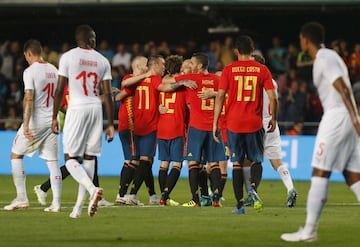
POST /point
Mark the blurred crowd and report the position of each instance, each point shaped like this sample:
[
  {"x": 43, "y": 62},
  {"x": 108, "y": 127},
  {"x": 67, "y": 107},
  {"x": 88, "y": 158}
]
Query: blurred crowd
[{"x": 291, "y": 68}]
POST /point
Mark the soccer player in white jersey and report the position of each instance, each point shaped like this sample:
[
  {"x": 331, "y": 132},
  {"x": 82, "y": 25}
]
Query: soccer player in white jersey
[
  {"x": 272, "y": 149},
  {"x": 86, "y": 72},
  {"x": 40, "y": 80},
  {"x": 338, "y": 133}
]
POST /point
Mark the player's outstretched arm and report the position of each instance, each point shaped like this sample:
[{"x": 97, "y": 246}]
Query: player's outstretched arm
[
  {"x": 173, "y": 86},
  {"x": 135, "y": 79}
]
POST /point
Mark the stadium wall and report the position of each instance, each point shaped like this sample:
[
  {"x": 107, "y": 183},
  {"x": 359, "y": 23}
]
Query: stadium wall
[{"x": 297, "y": 155}]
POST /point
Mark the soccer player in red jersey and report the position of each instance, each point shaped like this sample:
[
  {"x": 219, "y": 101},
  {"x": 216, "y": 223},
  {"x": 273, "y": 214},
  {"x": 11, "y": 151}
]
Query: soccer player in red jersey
[
  {"x": 243, "y": 81},
  {"x": 171, "y": 133},
  {"x": 126, "y": 128},
  {"x": 200, "y": 141},
  {"x": 146, "y": 115}
]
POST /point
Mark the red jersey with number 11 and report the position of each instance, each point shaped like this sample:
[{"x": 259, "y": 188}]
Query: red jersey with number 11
[{"x": 244, "y": 82}]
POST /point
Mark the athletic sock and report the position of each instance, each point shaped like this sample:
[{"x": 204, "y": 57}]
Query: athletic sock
[
  {"x": 149, "y": 178},
  {"x": 56, "y": 181},
  {"x": 162, "y": 178},
  {"x": 215, "y": 178},
  {"x": 171, "y": 181},
  {"x": 139, "y": 175},
  {"x": 247, "y": 176},
  {"x": 19, "y": 177},
  {"x": 194, "y": 171},
  {"x": 96, "y": 177},
  {"x": 203, "y": 182},
  {"x": 47, "y": 184},
  {"x": 222, "y": 183},
  {"x": 126, "y": 176},
  {"x": 80, "y": 175},
  {"x": 256, "y": 174},
  {"x": 238, "y": 183},
  {"x": 315, "y": 202},
  {"x": 356, "y": 189},
  {"x": 285, "y": 177}
]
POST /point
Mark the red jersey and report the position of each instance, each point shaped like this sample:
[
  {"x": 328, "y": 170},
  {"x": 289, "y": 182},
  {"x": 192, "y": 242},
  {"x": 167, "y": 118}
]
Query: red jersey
[
  {"x": 201, "y": 111},
  {"x": 146, "y": 105},
  {"x": 172, "y": 123},
  {"x": 244, "y": 82},
  {"x": 65, "y": 99},
  {"x": 125, "y": 114}
]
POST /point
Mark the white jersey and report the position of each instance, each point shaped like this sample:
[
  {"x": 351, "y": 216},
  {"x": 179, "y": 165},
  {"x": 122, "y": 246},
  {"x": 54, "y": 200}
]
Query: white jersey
[
  {"x": 266, "y": 106},
  {"x": 328, "y": 66},
  {"x": 336, "y": 131},
  {"x": 272, "y": 142},
  {"x": 42, "y": 78},
  {"x": 85, "y": 69}
]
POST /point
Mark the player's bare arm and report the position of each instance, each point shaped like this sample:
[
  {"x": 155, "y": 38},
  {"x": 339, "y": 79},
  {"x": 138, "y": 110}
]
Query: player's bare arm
[
  {"x": 109, "y": 108},
  {"x": 59, "y": 92},
  {"x": 173, "y": 86},
  {"x": 273, "y": 108},
  {"x": 136, "y": 78},
  {"x": 28, "y": 110},
  {"x": 219, "y": 102},
  {"x": 349, "y": 101},
  {"x": 207, "y": 94}
]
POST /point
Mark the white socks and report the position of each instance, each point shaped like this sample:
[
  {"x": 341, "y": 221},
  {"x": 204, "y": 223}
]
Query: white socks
[
  {"x": 56, "y": 181},
  {"x": 317, "y": 197},
  {"x": 285, "y": 177},
  {"x": 80, "y": 174},
  {"x": 19, "y": 177},
  {"x": 356, "y": 189}
]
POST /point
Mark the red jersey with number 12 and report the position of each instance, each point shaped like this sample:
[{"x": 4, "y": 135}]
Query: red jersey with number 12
[{"x": 244, "y": 82}]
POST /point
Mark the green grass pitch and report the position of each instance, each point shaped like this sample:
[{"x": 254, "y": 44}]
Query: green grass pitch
[{"x": 176, "y": 226}]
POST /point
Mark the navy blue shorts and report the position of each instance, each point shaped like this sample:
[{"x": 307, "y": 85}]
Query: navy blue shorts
[
  {"x": 249, "y": 145},
  {"x": 128, "y": 145},
  {"x": 146, "y": 145},
  {"x": 171, "y": 150},
  {"x": 200, "y": 143}
]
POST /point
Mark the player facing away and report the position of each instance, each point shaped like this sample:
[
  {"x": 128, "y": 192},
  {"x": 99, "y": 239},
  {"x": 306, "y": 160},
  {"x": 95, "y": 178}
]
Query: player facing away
[
  {"x": 42, "y": 189},
  {"x": 244, "y": 81},
  {"x": 272, "y": 151},
  {"x": 40, "y": 81},
  {"x": 339, "y": 129},
  {"x": 85, "y": 71}
]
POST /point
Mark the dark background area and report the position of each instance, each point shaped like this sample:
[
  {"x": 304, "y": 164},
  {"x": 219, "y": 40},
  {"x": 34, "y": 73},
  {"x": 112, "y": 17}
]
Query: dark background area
[{"x": 176, "y": 23}]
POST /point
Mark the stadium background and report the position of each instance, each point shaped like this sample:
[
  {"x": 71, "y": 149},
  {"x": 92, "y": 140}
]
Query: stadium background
[{"x": 53, "y": 22}]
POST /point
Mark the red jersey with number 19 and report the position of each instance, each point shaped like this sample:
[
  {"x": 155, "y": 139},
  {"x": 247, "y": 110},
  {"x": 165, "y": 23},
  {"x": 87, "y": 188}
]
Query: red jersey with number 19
[
  {"x": 244, "y": 82},
  {"x": 201, "y": 110},
  {"x": 146, "y": 105},
  {"x": 126, "y": 113}
]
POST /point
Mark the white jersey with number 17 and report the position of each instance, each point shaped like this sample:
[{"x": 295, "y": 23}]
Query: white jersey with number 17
[{"x": 85, "y": 69}]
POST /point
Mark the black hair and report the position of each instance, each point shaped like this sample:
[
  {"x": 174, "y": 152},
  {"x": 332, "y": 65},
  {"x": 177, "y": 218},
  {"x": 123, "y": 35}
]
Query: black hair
[{"x": 313, "y": 31}]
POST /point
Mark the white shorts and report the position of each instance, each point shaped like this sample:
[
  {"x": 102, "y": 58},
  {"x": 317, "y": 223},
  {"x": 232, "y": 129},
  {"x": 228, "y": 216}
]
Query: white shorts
[
  {"x": 272, "y": 144},
  {"x": 336, "y": 144},
  {"x": 82, "y": 131},
  {"x": 44, "y": 140}
]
